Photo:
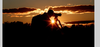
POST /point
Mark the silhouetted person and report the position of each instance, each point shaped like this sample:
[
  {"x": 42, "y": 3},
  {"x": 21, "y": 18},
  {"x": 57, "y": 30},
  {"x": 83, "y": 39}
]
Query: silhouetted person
[{"x": 41, "y": 27}]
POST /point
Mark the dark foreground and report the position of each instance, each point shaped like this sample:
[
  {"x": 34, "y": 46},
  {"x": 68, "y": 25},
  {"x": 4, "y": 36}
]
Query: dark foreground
[{"x": 17, "y": 34}]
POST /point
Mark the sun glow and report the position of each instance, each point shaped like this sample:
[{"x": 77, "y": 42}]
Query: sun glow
[{"x": 52, "y": 21}]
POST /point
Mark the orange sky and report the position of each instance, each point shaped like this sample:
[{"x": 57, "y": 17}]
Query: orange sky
[{"x": 71, "y": 11}]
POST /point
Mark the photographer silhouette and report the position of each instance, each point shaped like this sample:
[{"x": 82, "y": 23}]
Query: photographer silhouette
[
  {"x": 41, "y": 28},
  {"x": 43, "y": 21}
]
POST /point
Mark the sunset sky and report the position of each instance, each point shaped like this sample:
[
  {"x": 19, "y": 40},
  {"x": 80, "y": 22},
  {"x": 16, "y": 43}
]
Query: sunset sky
[{"x": 24, "y": 10}]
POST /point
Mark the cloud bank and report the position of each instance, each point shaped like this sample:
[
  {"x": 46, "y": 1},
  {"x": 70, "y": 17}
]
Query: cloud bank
[
  {"x": 30, "y": 12},
  {"x": 78, "y": 8},
  {"x": 18, "y": 10}
]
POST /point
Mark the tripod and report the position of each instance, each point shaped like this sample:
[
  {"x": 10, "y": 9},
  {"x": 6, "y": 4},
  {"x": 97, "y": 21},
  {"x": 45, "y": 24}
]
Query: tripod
[{"x": 56, "y": 19}]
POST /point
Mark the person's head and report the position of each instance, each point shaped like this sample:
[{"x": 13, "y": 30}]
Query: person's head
[{"x": 50, "y": 13}]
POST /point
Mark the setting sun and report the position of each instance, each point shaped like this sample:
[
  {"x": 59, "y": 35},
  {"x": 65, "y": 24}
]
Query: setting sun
[{"x": 52, "y": 21}]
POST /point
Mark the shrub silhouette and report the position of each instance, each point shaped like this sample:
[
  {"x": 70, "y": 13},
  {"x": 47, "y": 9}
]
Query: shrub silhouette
[{"x": 19, "y": 34}]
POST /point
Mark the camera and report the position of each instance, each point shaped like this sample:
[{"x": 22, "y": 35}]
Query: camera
[{"x": 58, "y": 14}]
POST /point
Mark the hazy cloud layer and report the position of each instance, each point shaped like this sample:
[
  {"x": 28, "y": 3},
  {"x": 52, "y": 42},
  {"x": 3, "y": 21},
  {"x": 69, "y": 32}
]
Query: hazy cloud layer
[
  {"x": 78, "y": 9},
  {"x": 18, "y": 10},
  {"x": 30, "y": 12}
]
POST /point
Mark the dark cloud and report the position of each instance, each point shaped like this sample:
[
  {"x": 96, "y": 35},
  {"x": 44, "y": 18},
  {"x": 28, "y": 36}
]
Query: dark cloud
[
  {"x": 18, "y": 10},
  {"x": 77, "y": 22},
  {"x": 79, "y": 8}
]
